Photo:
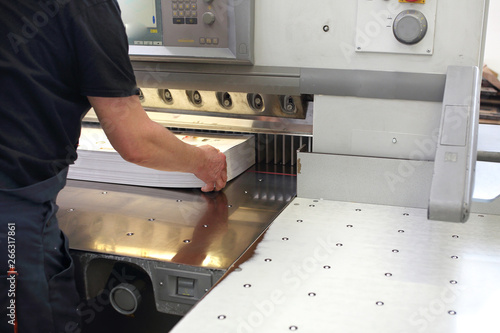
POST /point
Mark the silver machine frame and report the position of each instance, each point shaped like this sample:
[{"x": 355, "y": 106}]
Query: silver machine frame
[{"x": 386, "y": 226}]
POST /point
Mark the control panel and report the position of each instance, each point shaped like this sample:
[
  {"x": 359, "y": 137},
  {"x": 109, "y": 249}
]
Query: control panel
[
  {"x": 396, "y": 26},
  {"x": 215, "y": 31},
  {"x": 197, "y": 23}
]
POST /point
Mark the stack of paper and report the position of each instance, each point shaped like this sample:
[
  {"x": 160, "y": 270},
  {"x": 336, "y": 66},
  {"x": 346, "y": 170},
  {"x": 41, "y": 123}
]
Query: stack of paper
[{"x": 98, "y": 161}]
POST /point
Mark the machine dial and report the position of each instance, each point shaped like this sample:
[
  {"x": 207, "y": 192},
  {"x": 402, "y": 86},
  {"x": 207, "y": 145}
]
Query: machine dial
[
  {"x": 410, "y": 27},
  {"x": 209, "y": 18}
]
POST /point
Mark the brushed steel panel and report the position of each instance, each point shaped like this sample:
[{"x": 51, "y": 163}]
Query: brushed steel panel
[
  {"x": 364, "y": 179},
  {"x": 327, "y": 266},
  {"x": 179, "y": 226},
  {"x": 269, "y": 125}
]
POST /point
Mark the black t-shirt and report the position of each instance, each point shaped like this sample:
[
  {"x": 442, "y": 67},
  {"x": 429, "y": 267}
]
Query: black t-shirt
[{"x": 54, "y": 53}]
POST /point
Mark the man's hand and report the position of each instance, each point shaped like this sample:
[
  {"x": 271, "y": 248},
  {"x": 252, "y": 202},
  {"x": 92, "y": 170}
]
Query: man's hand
[
  {"x": 214, "y": 171},
  {"x": 140, "y": 140}
]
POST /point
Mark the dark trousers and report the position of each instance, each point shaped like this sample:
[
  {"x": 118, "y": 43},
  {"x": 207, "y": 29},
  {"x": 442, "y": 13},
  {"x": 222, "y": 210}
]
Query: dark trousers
[{"x": 36, "y": 272}]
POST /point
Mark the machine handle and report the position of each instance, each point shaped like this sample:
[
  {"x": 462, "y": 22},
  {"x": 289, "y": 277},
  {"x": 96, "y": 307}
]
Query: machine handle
[{"x": 454, "y": 164}]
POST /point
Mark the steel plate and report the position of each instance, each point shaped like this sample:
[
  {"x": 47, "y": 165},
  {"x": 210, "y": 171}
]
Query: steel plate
[
  {"x": 327, "y": 266},
  {"x": 180, "y": 226}
]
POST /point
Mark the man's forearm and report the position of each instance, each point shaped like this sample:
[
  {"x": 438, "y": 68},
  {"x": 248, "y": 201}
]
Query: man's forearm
[
  {"x": 160, "y": 149},
  {"x": 141, "y": 141}
]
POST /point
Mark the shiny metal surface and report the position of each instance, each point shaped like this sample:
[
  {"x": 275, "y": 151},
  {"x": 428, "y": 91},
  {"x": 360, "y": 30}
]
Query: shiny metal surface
[
  {"x": 179, "y": 226},
  {"x": 347, "y": 267},
  {"x": 208, "y": 102},
  {"x": 260, "y": 124}
]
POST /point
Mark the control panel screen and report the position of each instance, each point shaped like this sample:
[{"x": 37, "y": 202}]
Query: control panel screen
[
  {"x": 143, "y": 21},
  {"x": 217, "y": 29}
]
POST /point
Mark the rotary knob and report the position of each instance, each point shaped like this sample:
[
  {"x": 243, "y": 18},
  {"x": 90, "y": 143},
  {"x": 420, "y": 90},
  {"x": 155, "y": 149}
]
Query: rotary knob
[
  {"x": 410, "y": 27},
  {"x": 209, "y": 18}
]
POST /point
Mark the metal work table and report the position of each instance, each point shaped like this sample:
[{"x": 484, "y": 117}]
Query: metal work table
[
  {"x": 158, "y": 223},
  {"x": 169, "y": 234},
  {"x": 327, "y": 266}
]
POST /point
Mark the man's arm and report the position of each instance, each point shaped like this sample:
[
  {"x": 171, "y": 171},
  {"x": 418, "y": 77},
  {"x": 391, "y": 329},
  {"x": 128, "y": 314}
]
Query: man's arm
[{"x": 142, "y": 141}]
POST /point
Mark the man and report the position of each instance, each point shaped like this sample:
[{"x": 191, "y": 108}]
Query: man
[{"x": 58, "y": 58}]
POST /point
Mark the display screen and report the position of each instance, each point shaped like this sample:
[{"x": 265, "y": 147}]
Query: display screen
[
  {"x": 143, "y": 21},
  {"x": 221, "y": 30}
]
